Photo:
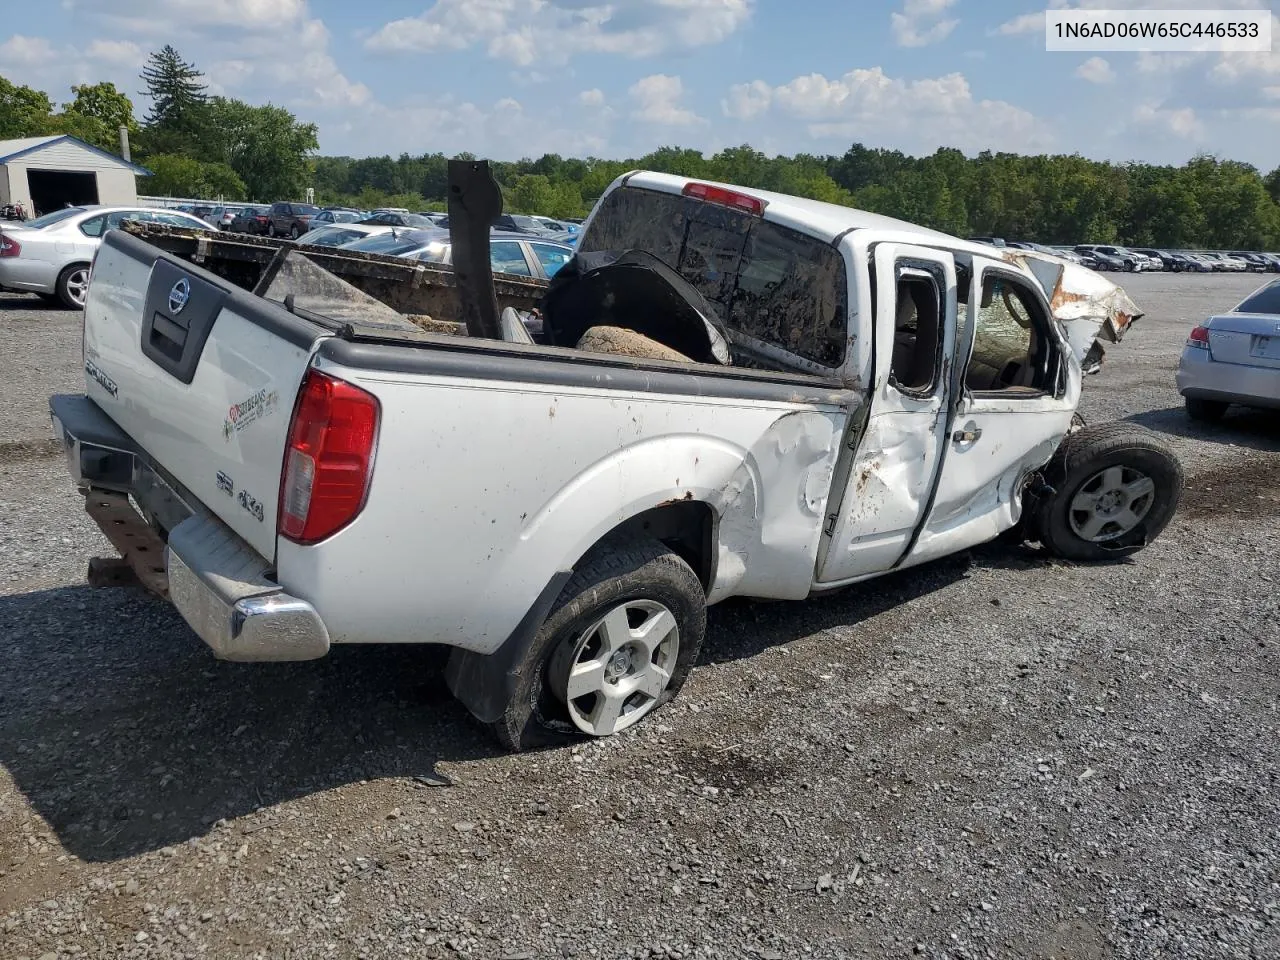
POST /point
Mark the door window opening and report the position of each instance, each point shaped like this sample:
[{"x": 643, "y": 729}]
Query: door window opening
[
  {"x": 1011, "y": 350},
  {"x": 917, "y": 333}
]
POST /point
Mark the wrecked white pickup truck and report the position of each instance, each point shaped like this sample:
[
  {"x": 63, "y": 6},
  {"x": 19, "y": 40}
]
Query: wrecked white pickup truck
[{"x": 735, "y": 393}]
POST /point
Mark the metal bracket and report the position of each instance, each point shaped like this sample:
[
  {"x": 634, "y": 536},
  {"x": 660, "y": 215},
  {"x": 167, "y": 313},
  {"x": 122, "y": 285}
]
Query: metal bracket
[{"x": 140, "y": 547}]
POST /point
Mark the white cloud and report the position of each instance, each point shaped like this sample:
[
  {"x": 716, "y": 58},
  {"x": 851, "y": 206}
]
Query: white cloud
[
  {"x": 238, "y": 44},
  {"x": 1181, "y": 122},
  {"x": 914, "y": 114},
  {"x": 920, "y": 23},
  {"x": 1153, "y": 62},
  {"x": 591, "y": 98},
  {"x": 504, "y": 129},
  {"x": 25, "y": 51},
  {"x": 657, "y": 99},
  {"x": 1026, "y": 23},
  {"x": 747, "y": 100},
  {"x": 122, "y": 53},
  {"x": 1232, "y": 67},
  {"x": 156, "y": 16},
  {"x": 1096, "y": 70},
  {"x": 525, "y": 31}
]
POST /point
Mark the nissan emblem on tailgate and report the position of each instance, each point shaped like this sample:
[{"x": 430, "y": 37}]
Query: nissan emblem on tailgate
[{"x": 179, "y": 294}]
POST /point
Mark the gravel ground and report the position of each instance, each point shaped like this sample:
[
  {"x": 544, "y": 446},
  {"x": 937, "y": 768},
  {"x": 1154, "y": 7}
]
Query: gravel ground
[{"x": 993, "y": 756}]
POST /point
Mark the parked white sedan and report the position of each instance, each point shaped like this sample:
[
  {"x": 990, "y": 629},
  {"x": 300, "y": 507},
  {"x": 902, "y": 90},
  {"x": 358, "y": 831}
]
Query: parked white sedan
[
  {"x": 1234, "y": 357},
  {"x": 50, "y": 255}
]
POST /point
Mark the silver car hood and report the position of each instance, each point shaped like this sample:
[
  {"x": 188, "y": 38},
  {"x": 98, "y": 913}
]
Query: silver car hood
[{"x": 1090, "y": 308}]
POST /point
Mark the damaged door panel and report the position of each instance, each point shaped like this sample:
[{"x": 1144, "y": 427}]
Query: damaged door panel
[
  {"x": 1014, "y": 399},
  {"x": 894, "y": 468}
]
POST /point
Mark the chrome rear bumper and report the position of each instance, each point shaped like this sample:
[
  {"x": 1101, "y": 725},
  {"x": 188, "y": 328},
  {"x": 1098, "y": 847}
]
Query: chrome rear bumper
[{"x": 222, "y": 587}]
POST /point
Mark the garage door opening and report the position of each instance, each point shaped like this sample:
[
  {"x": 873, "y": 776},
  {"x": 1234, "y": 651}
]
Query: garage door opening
[{"x": 54, "y": 189}]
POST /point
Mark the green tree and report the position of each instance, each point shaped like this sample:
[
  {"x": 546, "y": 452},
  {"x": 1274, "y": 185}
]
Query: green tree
[
  {"x": 531, "y": 193},
  {"x": 266, "y": 146},
  {"x": 175, "y": 175},
  {"x": 176, "y": 89},
  {"x": 24, "y": 111},
  {"x": 1272, "y": 183},
  {"x": 103, "y": 102}
]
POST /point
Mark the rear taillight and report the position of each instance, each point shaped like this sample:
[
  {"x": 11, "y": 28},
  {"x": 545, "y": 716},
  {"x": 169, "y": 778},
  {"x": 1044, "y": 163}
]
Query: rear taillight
[
  {"x": 1199, "y": 337},
  {"x": 261, "y": 219},
  {"x": 9, "y": 247},
  {"x": 727, "y": 198},
  {"x": 328, "y": 462}
]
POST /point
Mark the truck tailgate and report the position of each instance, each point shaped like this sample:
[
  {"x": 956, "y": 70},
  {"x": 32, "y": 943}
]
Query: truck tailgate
[{"x": 201, "y": 374}]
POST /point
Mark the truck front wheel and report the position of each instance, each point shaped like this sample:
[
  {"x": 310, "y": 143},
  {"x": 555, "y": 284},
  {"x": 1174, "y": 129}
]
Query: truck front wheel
[
  {"x": 618, "y": 644},
  {"x": 1115, "y": 488}
]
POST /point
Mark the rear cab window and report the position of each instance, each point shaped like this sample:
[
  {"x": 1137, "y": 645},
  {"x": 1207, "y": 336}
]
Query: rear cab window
[
  {"x": 1266, "y": 300},
  {"x": 769, "y": 283}
]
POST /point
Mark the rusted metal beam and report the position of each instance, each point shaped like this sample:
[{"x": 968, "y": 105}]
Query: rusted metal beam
[
  {"x": 475, "y": 202},
  {"x": 139, "y": 546}
]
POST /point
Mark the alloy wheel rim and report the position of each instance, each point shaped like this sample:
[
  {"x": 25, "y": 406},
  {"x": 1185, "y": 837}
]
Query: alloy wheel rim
[
  {"x": 619, "y": 667},
  {"x": 1111, "y": 503},
  {"x": 78, "y": 286}
]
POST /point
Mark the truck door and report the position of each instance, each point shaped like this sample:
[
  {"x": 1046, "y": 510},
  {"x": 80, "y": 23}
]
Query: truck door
[
  {"x": 1015, "y": 393},
  {"x": 891, "y": 475}
]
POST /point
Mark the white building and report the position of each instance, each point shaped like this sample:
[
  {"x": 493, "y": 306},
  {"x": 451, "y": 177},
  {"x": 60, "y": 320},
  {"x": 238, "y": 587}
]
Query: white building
[{"x": 49, "y": 173}]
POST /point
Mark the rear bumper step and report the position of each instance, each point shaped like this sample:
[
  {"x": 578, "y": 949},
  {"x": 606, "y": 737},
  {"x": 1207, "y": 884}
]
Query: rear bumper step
[{"x": 220, "y": 585}]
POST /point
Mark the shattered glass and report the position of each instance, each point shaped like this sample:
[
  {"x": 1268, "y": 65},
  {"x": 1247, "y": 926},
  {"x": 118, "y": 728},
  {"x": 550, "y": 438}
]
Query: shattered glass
[
  {"x": 766, "y": 281},
  {"x": 316, "y": 290}
]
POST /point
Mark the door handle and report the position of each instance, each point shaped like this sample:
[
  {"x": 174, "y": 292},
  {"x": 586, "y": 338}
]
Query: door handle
[{"x": 967, "y": 436}]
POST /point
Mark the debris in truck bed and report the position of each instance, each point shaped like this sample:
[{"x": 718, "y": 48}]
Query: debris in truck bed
[
  {"x": 636, "y": 291},
  {"x": 407, "y": 286},
  {"x": 627, "y": 343},
  {"x": 304, "y": 285}
]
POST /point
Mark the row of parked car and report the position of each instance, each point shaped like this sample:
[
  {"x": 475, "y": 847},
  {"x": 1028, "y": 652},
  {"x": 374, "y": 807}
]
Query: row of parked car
[
  {"x": 51, "y": 255},
  {"x": 1111, "y": 257},
  {"x": 292, "y": 220},
  {"x": 519, "y": 252}
]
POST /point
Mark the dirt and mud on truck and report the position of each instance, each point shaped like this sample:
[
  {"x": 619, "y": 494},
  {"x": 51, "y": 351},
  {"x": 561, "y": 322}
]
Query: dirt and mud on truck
[{"x": 730, "y": 393}]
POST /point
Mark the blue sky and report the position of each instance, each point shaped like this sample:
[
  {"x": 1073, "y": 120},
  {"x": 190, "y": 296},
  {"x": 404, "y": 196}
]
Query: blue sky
[{"x": 615, "y": 78}]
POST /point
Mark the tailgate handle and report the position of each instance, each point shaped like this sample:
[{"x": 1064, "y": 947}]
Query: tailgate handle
[
  {"x": 175, "y": 331},
  {"x": 178, "y": 317}
]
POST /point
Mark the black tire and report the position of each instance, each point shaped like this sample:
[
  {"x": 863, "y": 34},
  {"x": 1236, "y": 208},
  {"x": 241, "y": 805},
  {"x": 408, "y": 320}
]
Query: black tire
[
  {"x": 1205, "y": 411},
  {"x": 72, "y": 284},
  {"x": 609, "y": 575},
  {"x": 271, "y": 229},
  {"x": 293, "y": 232},
  {"x": 1082, "y": 456}
]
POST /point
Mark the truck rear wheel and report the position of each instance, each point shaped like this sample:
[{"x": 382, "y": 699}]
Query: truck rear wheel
[
  {"x": 1116, "y": 487},
  {"x": 618, "y": 644}
]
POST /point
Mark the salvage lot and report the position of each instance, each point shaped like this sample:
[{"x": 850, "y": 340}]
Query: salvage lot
[{"x": 995, "y": 755}]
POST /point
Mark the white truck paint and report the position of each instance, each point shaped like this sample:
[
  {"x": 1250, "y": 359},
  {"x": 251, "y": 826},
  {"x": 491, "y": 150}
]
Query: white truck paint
[{"x": 498, "y": 468}]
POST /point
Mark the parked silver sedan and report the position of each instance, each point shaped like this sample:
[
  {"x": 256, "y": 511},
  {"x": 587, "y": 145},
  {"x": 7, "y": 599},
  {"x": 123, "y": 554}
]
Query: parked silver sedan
[
  {"x": 1234, "y": 358},
  {"x": 50, "y": 255},
  {"x": 515, "y": 253},
  {"x": 337, "y": 234}
]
